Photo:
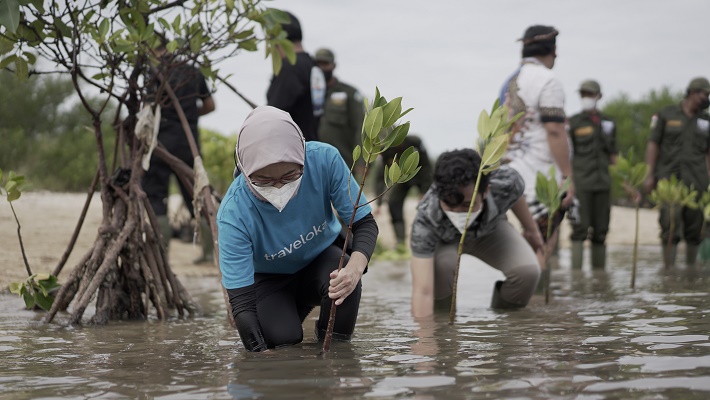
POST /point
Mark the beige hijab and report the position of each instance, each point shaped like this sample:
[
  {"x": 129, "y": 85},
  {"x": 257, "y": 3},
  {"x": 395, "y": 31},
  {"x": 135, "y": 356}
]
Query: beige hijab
[{"x": 268, "y": 136}]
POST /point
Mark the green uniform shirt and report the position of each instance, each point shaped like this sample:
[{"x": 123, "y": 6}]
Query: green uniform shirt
[
  {"x": 683, "y": 143},
  {"x": 341, "y": 123},
  {"x": 593, "y": 137}
]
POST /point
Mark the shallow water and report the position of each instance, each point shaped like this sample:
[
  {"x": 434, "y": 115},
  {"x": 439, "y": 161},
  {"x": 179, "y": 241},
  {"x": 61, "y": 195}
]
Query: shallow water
[{"x": 597, "y": 339}]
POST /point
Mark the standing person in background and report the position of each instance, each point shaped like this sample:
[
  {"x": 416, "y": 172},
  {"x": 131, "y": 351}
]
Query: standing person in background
[
  {"x": 593, "y": 137},
  {"x": 291, "y": 89},
  {"x": 679, "y": 144},
  {"x": 540, "y": 138},
  {"x": 398, "y": 194},
  {"x": 195, "y": 100},
  {"x": 344, "y": 111}
]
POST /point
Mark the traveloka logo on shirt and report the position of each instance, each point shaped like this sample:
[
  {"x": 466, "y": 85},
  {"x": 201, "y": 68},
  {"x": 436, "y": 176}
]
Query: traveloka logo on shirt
[{"x": 298, "y": 243}]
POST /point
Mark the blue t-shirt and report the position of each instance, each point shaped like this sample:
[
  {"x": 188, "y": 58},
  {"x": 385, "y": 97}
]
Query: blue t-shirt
[{"x": 254, "y": 237}]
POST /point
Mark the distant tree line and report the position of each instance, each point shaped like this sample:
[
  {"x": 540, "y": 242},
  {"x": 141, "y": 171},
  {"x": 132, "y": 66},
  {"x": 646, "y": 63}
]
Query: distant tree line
[{"x": 44, "y": 135}]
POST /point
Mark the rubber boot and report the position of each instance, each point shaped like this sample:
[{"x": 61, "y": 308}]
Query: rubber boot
[
  {"x": 691, "y": 254},
  {"x": 705, "y": 250},
  {"x": 598, "y": 256},
  {"x": 497, "y": 300},
  {"x": 669, "y": 255},
  {"x": 577, "y": 254},
  {"x": 165, "y": 230},
  {"x": 207, "y": 244}
]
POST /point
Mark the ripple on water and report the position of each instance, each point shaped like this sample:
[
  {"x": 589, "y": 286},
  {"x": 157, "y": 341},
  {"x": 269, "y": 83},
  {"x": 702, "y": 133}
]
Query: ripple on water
[
  {"x": 670, "y": 339},
  {"x": 408, "y": 359},
  {"x": 400, "y": 383},
  {"x": 600, "y": 339},
  {"x": 689, "y": 383},
  {"x": 666, "y": 363}
]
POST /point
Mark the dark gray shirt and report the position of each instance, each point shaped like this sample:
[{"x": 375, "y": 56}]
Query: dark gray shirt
[{"x": 431, "y": 225}]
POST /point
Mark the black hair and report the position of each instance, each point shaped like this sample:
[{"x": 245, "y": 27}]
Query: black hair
[
  {"x": 539, "y": 40},
  {"x": 293, "y": 29},
  {"x": 455, "y": 170}
]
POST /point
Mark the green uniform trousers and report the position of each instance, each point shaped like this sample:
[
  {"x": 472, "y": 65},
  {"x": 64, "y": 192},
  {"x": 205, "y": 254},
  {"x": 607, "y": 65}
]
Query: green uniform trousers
[
  {"x": 686, "y": 220},
  {"x": 594, "y": 210}
]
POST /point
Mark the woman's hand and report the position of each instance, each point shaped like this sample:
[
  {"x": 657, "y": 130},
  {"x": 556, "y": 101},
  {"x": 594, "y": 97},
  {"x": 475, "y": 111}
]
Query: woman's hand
[{"x": 344, "y": 282}]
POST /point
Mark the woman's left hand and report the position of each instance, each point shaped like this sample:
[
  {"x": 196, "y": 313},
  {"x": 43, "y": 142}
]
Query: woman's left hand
[{"x": 344, "y": 282}]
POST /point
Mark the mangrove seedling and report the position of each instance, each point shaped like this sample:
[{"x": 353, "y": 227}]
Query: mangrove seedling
[
  {"x": 35, "y": 290},
  {"x": 675, "y": 195},
  {"x": 704, "y": 204},
  {"x": 631, "y": 174},
  {"x": 550, "y": 194},
  {"x": 492, "y": 144},
  {"x": 380, "y": 131}
]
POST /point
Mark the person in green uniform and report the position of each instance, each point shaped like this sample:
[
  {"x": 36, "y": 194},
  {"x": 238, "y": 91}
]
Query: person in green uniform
[
  {"x": 679, "y": 144},
  {"x": 398, "y": 194},
  {"x": 593, "y": 137},
  {"x": 344, "y": 111}
]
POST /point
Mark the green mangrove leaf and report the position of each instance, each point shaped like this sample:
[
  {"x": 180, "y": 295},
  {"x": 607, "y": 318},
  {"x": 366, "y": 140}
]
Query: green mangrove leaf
[
  {"x": 373, "y": 122},
  {"x": 391, "y": 112}
]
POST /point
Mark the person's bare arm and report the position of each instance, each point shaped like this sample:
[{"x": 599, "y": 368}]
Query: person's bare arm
[
  {"x": 531, "y": 232},
  {"x": 208, "y": 106},
  {"x": 422, "y": 286},
  {"x": 559, "y": 146},
  {"x": 652, "y": 151}
]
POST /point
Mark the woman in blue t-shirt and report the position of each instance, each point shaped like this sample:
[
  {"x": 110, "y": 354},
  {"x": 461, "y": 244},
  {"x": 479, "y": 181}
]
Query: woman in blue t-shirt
[{"x": 280, "y": 241}]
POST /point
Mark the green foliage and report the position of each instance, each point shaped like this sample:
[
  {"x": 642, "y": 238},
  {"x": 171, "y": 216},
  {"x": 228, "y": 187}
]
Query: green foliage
[
  {"x": 633, "y": 117},
  {"x": 218, "y": 158},
  {"x": 44, "y": 133},
  {"x": 630, "y": 172},
  {"x": 704, "y": 204},
  {"x": 493, "y": 136},
  {"x": 674, "y": 193},
  {"x": 549, "y": 193},
  {"x": 36, "y": 290},
  {"x": 122, "y": 32},
  {"x": 380, "y": 132},
  {"x": 11, "y": 186}
]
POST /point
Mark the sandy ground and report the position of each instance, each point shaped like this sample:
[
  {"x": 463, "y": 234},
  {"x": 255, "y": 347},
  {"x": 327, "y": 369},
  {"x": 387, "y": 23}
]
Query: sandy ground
[{"x": 49, "y": 219}]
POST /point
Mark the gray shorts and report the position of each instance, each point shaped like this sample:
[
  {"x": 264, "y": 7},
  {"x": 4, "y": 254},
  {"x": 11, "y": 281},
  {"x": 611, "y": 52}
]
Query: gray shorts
[{"x": 504, "y": 249}]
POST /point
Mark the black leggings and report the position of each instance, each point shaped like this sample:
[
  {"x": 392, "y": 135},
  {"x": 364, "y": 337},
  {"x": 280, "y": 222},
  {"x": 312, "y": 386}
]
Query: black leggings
[{"x": 284, "y": 301}]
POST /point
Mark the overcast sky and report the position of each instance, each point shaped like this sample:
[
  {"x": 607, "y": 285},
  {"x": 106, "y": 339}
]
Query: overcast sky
[{"x": 448, "y": 59}]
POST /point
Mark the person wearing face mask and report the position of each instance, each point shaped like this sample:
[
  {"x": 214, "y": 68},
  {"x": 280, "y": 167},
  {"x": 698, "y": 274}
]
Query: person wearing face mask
[
  {"x": 280, "y": 241},
  {"x": 441, "y": 219},
  {"x": 679, "y": 144},
  {"x": 593, "y": 137},
  {"x": 344, "y": 111}
]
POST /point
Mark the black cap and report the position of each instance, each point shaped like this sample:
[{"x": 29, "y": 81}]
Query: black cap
[
  {"x": 539, "y": 40},
  {"x": 293, "y": 29}
]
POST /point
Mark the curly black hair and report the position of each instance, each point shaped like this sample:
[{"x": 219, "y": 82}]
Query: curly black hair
[{"x": 455, "y": 170}]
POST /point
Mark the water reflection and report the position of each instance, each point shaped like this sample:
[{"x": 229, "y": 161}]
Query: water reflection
[{"x": 596, "y": 339}]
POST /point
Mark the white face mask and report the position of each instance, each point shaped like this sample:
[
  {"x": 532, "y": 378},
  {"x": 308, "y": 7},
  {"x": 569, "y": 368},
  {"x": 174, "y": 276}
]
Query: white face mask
[
  {"x": 279, "y": 197},
  {"x": 589, "y": 103},
  {"x": 459, "y": 219}
]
